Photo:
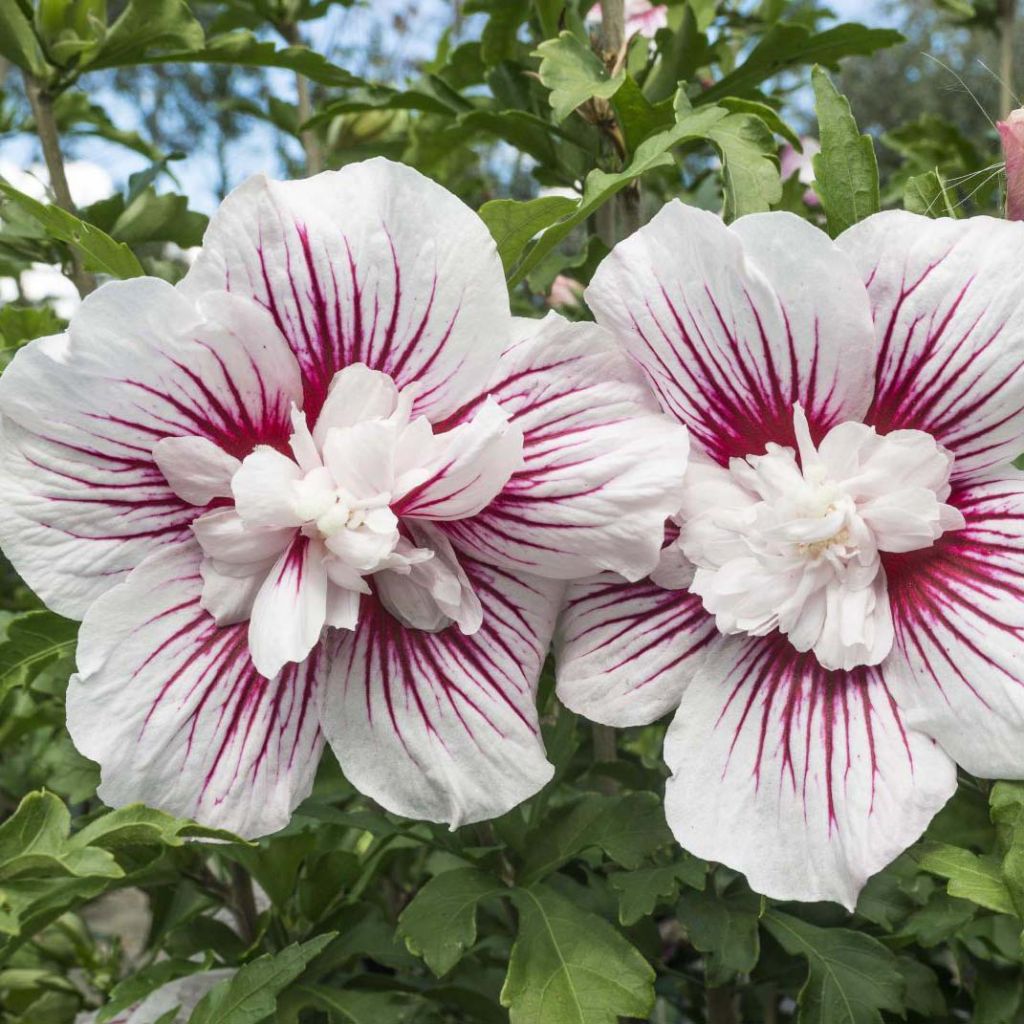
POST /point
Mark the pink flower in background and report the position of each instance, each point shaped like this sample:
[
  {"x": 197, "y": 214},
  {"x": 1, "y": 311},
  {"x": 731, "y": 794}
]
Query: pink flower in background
[
  {"x": 838, "y": 616},
  {"x": 566, "y": 292},
  {"x": 642, "y": 17},
  {"x": 325, "y": 487},
  {"x": 792, "y": 161},
  {"x": 1011, "y": 133}
]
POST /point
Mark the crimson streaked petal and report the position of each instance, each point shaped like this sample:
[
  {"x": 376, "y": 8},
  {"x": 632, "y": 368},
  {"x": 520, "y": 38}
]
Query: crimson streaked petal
[
  {"x": 172, "y": 708},
  {"x": 372, "y": 264},
  {"x": 733, "y": 325},
  {"x": 957, "y": 668},
  {"x": 949, "y": 318},
  {"x": 466, "y": 467},
  {"x": 626, "y": 651},
  {"x": 807, "y": 781},
  {"x": 84, "y": 500},
  {"x": 443, "y": 726},
  {"x": 603, "y": 468},
  {"x": 290, "y": 610}
]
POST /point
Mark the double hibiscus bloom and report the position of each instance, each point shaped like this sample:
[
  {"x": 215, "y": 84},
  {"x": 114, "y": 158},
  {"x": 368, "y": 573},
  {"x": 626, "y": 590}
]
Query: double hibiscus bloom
[{"x": 329, "y": 489}]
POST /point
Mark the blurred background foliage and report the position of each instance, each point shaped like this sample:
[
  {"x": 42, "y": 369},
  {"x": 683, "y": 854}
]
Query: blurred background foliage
[{"x": 122, "y": 124}]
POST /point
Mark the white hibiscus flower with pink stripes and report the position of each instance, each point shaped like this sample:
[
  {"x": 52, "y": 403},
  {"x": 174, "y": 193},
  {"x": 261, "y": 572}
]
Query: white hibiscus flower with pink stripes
[
  {"x": 838, "y": 616},
  {"x": 327, "y": 487}
]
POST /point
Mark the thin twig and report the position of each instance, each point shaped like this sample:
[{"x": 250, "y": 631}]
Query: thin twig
[
  {"x": 310, "y": 141},
  {"x": 46, "y": 128}
]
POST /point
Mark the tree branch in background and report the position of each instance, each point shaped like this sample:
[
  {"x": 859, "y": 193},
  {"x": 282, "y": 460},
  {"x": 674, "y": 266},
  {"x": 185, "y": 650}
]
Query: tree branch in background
[
  {"x": 1007, "y": 18},
  {"x": 722, "y": 1005},
  {"x": 310, "y": 142},
  {"x": 46, "y": 128}
]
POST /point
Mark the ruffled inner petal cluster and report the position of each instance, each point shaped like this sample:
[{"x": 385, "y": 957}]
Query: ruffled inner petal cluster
[
  {"x": 298, "y": 534},
  {"x": 792, "y": 540}
]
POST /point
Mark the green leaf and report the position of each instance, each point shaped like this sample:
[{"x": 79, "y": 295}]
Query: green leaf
[
  {"x": 99, "y": 251},
  {"x": 574, "y": 74},
  {"x": 243, "y": 48},
  {"x": 627, "y": 828},
  {"x": 750, "y": 172},
  {"x": 18, "y": 42},
  {"x": 572, "y": 967},
  {"x": 642, "y": 890},
  {"x": 712, "y": 124},
  {"x": 33, "y": 640},
  {"x": 926, "y": 194},
  {"x": 846, "y": 170},
  {"x": 513, "y": 223},
  {"x": 145, "y": 30},
  {"x": 851, "y": 977},
  {"x": 138, "y": 825},
  {"x": 352, "y": 1006},
  {"x": 787, "y": 45},
  {"x": 971, "y": 877},
  {"x": 250, "y": 996},
  {"x": 498, "y": 40},
  {"x": 439, "y": 924},
  {"x": 768, "y": 114},
  {"x": 724, "y": 927},
  {"x": 36, "y": 842}
]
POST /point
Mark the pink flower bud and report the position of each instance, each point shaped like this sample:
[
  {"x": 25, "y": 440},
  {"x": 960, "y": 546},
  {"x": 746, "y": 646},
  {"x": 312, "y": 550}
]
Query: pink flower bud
[{"x": 1011, "y": 131}]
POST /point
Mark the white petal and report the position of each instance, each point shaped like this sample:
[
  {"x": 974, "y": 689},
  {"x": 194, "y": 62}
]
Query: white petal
[
  {"x": 342, "y": 607},
  {"x": 196, "y": 469},
  {"x": 733, "y": 325},
  {"x": 807, "y": 781},
  {"x": 229, "y": 598},
  {"x": 177, "y": 716},
  {"x": 371, "y": 264},
  {"x": 434, "y": 592},
  {"x": 290, "y": 609},
  {"x": 84, "y": 500},
  {"x": 264, "y": 492},
  {"x": 468, "y": 466},
  {"x": 443, "y": 726},
  {"x": 361, "y": 458},
  {"x": 603, "y": 469},
  {"x": 224, "y": 537},
  {"x": 624, "y": 652},
  {"x": 949, "y": 318},
  {"x": 957, "y": 668},
  {"x": 356, "y": 394}
]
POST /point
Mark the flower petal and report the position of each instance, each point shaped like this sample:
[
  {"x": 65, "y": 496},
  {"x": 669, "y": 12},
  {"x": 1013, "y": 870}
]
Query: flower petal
[
  {"x": 466, "y": 468},
  {"x": 84, "y": 500},
  {"x": 356, "y": 394},
  {"x": 625, "y": 651},
  {"x": 807, "y": 781},
  {"x": 957, "y": 667},
  {"x": 195, "y": 468},
  {"x": 603, "y": 469},
  {"x": 949, "y": 318},
  {"x": 733, "y": 325},
  {"x": 177, "y": 716},
  {"x": 290, "y": 610},
  {"x": 371, "y": 264},
  {"x": 443, "y": 726},
  {"x": 263, "y": 491}
]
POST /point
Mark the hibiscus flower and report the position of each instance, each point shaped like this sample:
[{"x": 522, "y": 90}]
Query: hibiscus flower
[
  {"x": 325, "y": 487},
  {"x": 838, "y": 617}
]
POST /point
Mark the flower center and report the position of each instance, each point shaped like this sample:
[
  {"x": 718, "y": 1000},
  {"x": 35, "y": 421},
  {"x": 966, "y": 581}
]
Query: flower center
[{"x": 793, "y": 539}]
